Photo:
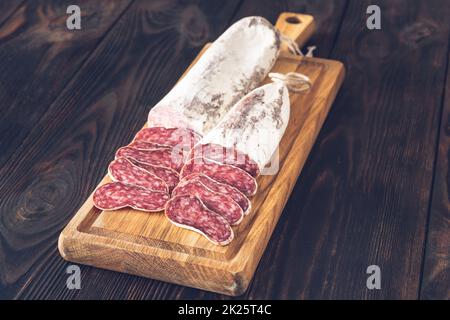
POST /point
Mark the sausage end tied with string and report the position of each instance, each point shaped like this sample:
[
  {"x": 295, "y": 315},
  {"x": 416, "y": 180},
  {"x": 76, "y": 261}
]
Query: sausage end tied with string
[
  {"x": 294, "y": 81},
  {"x": 295, "y": 49}
]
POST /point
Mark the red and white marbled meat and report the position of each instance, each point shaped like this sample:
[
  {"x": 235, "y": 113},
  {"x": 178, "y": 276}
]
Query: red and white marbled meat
[
  {"x": 117, "y": 195},
  {"x": 123, "y": 170},
  {"x": 164, "y": 157},
  {"x": 189, "y": 212},
  {"x": 169, "y": 176},
  {"x": 214, "y": 201},
  {"x": 223, "y": 188},
  {"x": 226, "y": 155},
  {"x": 168, "y": 136},
  {"x": 222, "y": 173},
  {"x": 142, "y": 145}
]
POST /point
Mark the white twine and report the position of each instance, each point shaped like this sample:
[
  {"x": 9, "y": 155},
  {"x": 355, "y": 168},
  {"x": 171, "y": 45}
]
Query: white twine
[
  {"x": 294, "y": 81},
  {"x": 310, "y": 53},
  {"x": 292, "y": 45},
  {"x": 295, "y": 49}
]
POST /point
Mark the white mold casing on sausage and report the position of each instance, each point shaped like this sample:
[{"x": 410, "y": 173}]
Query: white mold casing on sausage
[
  {"x": 237, "y": 62},
  {"x": 256, "y": 124}
]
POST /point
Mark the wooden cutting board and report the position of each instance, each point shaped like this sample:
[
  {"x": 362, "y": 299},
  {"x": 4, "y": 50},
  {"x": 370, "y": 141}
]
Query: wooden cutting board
[{"x": 147, "y": 244}]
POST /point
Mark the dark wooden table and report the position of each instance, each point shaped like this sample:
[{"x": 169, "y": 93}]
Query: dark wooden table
[{"x": 375, "y": 190}]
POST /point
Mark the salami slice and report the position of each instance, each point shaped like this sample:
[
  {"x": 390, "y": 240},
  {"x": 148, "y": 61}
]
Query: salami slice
[
  {"x": 168, "y": 136},
  {"x": 223, "y": 188},
  {"x": 142, "y": 145},
  {"x": 189, "y": 212},
  {"x": 123, "y": 170},
  {"x": 117, "y": 195},
  {"x": 214, "y": 201},
  {"x": 164, "y": 157},
  {"x": 226, "y": 155},
  {"x": 223, "y": 173},
  {"x": 170, "y": 176}
]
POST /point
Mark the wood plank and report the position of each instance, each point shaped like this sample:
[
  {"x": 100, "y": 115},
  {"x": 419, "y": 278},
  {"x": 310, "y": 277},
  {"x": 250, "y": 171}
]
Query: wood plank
[
  {"x": 66, "y": 153},
  {"x": 7, "y": 8},
  {"x": 39, "y": 55},
  {"x": 435, "y": 282},
  {"x": 363, "y": 195}
]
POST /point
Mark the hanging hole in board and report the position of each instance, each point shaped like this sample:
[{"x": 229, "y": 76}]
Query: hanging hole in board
[{"x": 293, "y": 20}]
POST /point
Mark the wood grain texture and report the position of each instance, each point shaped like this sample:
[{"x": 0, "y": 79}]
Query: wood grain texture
[
  {"x": 315, "y": 251},
  {"x": 66, "y": 152},
  {"x": 38, "y": 56},
  {"x": 363, "y": 195},
  {"x": 7, "y": 8},
  {"x": 435, "y": 282},
  {"x": 149, "y": 245}
]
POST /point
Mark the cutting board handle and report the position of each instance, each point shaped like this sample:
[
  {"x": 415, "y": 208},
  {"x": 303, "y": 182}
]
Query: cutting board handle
[{"x": 298, "y": 27}]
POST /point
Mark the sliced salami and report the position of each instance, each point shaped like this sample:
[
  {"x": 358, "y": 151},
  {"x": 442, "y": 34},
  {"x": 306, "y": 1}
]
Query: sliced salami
[
  {"x": 117, "y": 195},
  {"x": 168, "y": 136},
  {"x": 223, "y": 188},
  {"x": 189, "y": 212},
  {"x": 170, "y": 176},
  {"x": 223, "y": 173},
  {"x": 142, "y": 145},
  {"x": 123, "y": 170},
  {"x": 214, "y": 201},
  {"x": 226, "y": 155},
  {"x": 164, "y": 157}
]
